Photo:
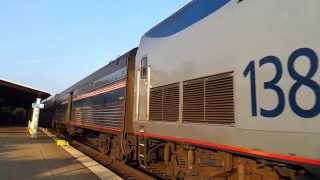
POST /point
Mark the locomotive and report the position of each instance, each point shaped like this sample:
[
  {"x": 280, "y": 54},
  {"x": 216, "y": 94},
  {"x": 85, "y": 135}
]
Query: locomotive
[{"x": 222, "y": 89}]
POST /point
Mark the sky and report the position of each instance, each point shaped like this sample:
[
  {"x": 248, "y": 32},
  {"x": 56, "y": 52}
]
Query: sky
[{"x": 52, "y": 44}]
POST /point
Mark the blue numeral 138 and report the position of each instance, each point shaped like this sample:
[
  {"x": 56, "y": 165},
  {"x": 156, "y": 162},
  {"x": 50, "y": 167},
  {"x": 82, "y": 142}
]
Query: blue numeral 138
[{"x": 300, "y": 80}]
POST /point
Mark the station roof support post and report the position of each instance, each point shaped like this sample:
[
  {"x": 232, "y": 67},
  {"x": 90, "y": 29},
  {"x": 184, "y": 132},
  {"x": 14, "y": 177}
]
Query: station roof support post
[{"x": 33, "y": 124}]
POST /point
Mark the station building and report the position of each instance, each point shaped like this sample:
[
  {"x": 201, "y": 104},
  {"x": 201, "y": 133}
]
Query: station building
[{"x": 16, "y": 102}]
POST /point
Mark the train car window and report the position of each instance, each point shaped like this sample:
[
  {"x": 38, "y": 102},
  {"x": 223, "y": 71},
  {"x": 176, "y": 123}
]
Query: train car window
[{"x": 144, "y": 68}]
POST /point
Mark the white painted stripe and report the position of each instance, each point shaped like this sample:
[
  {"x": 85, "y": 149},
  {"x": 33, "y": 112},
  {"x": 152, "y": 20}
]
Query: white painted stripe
[{"x": 98, "y": 169}]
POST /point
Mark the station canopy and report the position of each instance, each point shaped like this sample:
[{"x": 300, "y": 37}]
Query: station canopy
[{"x": 16, "y": 102}]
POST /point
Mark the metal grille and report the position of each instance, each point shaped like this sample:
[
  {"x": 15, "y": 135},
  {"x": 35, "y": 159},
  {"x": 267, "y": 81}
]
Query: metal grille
[
  {"x": 164, "y": 103},
  {"x": 156, "y": 99},
  {"x": 193, "y": 100},
  {"x": 209, "y": 99},
  {"x": 171, "y": 102},
  {"x": 111, "y": 115}
]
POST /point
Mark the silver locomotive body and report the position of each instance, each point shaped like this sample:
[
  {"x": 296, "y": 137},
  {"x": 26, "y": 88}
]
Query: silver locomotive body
[{"x": 240, "y": 76}]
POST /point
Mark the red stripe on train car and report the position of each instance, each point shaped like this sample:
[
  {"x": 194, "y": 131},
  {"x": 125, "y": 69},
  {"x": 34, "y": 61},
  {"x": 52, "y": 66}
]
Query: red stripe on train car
[
  {"x": 295, "y": 159},
  {"x": 98, "y": 91},
  {"x": 283, "y": 157},
  {"x": 102, "y": 90}
]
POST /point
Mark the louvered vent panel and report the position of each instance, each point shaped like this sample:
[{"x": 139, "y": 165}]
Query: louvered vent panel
[
  {"x": 164, "y": 103},
  {"x": 193, "y": 101},
  {"x": 209, "y": 100},
  {"x": 171, "y": 102},
  {"x": 155, "y": 108},
  {"x": 219, "y": 108},
  {"x": 111, "y": 115}
]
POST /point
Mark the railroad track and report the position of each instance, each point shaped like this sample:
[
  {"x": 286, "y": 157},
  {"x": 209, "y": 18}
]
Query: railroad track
[{"x": 118, "y": 167}]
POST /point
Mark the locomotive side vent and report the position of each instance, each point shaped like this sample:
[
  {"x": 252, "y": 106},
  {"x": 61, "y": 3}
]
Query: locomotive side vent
[
  {"x": 209, "y": 99},
  {"x": 156, "y": 102},
  {"x": 193, "y": 101},
  {"x": 164, "y": 103}
]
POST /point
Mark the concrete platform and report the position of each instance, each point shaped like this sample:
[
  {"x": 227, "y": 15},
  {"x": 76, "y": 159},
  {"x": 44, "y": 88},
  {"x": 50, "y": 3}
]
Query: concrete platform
[{"x": 24, "y": 158}]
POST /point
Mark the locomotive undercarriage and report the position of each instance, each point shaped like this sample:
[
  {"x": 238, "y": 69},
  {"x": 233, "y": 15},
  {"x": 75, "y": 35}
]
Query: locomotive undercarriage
[{"x": 171, "y": 160}]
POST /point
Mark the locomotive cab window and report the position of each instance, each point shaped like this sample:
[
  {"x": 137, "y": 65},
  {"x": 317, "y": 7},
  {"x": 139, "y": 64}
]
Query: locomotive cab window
[{"x": 144, "y": 68}]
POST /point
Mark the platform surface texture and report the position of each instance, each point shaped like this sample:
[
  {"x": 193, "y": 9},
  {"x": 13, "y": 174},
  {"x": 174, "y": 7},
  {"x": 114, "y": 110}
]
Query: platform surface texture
[{"x": 22, "y": 157}]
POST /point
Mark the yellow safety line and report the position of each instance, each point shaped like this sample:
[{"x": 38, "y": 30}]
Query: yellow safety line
[{"x": 96, "y": 168}]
